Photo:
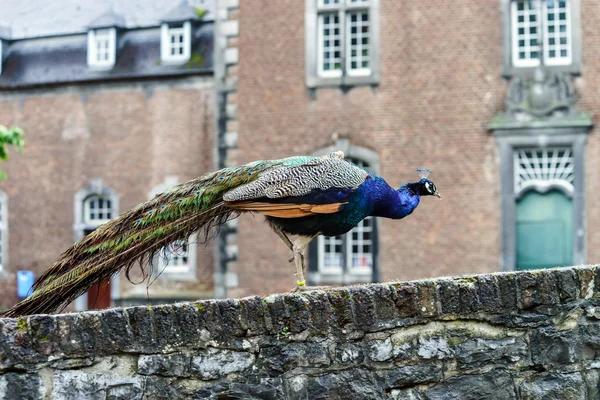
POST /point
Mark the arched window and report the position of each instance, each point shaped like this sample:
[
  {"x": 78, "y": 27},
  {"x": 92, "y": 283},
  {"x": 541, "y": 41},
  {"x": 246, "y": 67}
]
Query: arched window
[
  {"x": 351, "y": 257},
  {"x": 97, "y": 209},
  {"x": 95, "y": 205}
]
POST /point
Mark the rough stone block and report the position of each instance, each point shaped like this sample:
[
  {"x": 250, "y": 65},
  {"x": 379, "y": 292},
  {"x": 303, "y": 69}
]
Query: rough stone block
[
  {"x": 365, "y": 313},
  {"x": 407, "y": 300},
  {"x": 554, "y": 348},
  {"x": 322, "y": 316},
  {"x": 434, "y": 347},
  {"x": 488, "y": 293},
  {"x": 115, "y": 334},
  {"x": 76, "y": 339},
  {"x": 17, "y": 344},
  {"x": 252, "y": 315},
  {"x": 97, "y": 384},
  {"x": 190, "y": 325},
  {"x": 380, "y": 350},
  {"x": 164, "y": 364},
  {"x": 347, "y": 353},
  {"x": 230, "y": 317},
  {"x": 21, "y": 386},
  {"x": 411, "y": 375},
  {"x": 277, "y": 360},
  {"x": 356, "y": 384},
  {"x": 342, "y": 308},
  {"x": 480, "y": 353},
  {"x": 497, "y": 385},
  {"x": 168, "y": 332},
  {"x": 536, "y": 288},
  {"x": 567, "y": 285},
  {"x": 213, "y": 363},
  {"x": 507, "y": 286},
  {"x": 553, "y": 386},
  {"x": 299, "y": 313},
  {"x": 427, "y": 301},
  {"x": 141, "y": 321}
]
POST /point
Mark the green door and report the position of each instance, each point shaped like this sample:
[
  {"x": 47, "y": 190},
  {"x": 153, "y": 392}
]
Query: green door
[{"x": 544, "y": 230}]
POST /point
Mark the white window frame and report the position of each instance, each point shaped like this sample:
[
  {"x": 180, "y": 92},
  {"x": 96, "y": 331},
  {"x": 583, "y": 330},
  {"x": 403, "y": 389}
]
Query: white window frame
[
  {"x": 167, "y": 269},
  {"x": 170, "y": 268},
  {"x": 347, "y": 253},
  {"x": 344, "y": 9},
  {"x": 87, "y": 210},
  {"x": 347, "y": 273},
  {"x": 96, "y": 37},
  {"x": 82, "y": 223},
  {"x": 541, "y": 23},
  {"x": 169, "y": 30},
  {"x": 316, "y": 75},
  {"x": 3, "y": 234}
]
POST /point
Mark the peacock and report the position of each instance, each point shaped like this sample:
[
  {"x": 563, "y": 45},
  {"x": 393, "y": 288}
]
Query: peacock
[{"x": 302, "y": 196}]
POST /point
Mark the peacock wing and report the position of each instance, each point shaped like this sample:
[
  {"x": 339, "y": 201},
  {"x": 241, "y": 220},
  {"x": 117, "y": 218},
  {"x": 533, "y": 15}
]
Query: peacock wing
[{"x": 325, "y": 173}]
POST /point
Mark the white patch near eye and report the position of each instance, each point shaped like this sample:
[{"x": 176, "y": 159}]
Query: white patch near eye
[{"x": 427, "y": 187}]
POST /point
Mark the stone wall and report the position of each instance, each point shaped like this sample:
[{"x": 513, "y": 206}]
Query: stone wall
[{"x": 527, "y": 335}]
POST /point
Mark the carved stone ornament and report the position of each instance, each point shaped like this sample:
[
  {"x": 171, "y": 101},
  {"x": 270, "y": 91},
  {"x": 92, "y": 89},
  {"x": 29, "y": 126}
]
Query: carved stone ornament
[{"x": 545, "y": 95}]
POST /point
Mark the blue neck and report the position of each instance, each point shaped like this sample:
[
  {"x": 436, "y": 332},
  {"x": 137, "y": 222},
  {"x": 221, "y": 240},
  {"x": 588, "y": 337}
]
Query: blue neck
[{"x": 391, "y": 203}]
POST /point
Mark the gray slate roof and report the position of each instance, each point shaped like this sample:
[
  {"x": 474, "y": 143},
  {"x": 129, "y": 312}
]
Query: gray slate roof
[
  {"x": 63, "y": 59},
  {"x": 32, "y": 18},
  {"x": 182, "y": 12},
  {"x": 108, "y": 20}
]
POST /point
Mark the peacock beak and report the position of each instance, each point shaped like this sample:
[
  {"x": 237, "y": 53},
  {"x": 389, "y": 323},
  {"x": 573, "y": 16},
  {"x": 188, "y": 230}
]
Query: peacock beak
[{"x": 437, "y": 194}]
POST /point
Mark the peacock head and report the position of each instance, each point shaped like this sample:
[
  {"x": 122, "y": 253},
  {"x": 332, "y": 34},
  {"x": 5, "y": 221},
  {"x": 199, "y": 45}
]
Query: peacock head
[{"x": 425, "y": 187}]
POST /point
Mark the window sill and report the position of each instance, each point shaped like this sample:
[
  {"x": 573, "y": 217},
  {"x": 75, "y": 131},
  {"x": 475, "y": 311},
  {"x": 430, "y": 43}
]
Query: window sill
[
  {"x": 313, "y": 82},
  {"x": 176, "y": 274},
  {"x": 317, "y": 278},
  {"x": 510, "y": 71}
]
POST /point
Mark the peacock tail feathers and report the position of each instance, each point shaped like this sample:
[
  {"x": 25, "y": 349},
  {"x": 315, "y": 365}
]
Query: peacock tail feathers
[{"x": 136, "y": 235}]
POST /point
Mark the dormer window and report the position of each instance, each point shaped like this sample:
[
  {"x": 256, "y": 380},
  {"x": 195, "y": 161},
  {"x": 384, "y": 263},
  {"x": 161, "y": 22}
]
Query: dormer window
[
  {"x": 102, "y": 44},
  {"x": 175, "y": 42}
]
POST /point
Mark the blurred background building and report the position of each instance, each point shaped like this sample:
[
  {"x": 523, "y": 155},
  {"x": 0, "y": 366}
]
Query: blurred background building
[{"x": 123, "y": 99}]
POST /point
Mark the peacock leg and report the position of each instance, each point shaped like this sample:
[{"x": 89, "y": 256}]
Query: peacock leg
[{"x": 299, "y": 246}]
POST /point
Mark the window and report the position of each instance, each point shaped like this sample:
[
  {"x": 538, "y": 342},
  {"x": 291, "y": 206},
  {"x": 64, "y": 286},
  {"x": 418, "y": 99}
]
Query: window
[
  {"x": 545, "y": 31},
  {"x": 102, "y": 48},
  {"x": 342, "y": 42},
  {"x": 97, "y": 210},
  {"x": 178, "y": 258},
  {"x": 95, "y": 205},
  {"x": 350, "y": 257},
  {"x": 175, "y": 42},
  {"x": 544, "y": 168},
  {"x": 541, "y": 25},
  {"x": 3, "y": 234}
]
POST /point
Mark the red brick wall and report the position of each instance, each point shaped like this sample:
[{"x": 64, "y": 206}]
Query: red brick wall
[
  {"x": 440, "y": 85},
  {"x": 119, "y": 134}
]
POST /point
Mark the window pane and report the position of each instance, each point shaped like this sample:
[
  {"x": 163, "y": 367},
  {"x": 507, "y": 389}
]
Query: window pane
[
  {"x": 329, "y": 42},
  {"x": 557, "y": 41},
  {"x": 358, "y": 48},
  {"x": 525, "y": 17}
]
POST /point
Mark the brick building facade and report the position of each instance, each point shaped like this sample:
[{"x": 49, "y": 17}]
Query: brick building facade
[{"x": 397, "y": 85}]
